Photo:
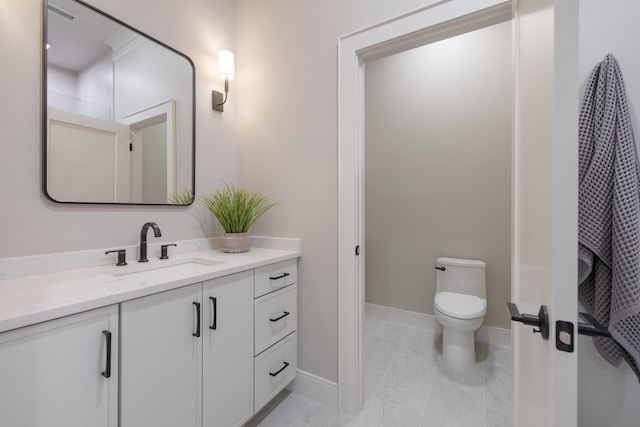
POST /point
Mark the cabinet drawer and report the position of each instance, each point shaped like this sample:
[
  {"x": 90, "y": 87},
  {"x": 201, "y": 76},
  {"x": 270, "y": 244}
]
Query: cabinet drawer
[
  {"x": 275, "y": 317},
  {"x": 274, "y": 369},
  {"x": 275, "y": 276}
]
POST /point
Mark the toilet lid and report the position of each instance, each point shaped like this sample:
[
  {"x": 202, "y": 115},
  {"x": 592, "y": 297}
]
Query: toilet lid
[{"x": 460, "y": 306}]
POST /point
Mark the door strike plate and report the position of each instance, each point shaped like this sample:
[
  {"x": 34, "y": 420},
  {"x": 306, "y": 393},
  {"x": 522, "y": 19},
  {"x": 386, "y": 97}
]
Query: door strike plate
[{"x": 564, "y": 336}]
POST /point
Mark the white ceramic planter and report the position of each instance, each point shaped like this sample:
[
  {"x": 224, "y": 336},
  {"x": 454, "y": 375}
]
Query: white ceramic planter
[{"x": 236, "y": 242}]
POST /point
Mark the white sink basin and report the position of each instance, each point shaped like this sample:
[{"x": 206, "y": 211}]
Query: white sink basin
[{"x": 187, "y": 266}]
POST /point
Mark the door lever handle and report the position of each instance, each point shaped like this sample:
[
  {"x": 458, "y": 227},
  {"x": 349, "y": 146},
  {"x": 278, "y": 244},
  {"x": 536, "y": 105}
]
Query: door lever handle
[
  {"x": 541, "y": 320},
  {"x": 591, "y": 327}
]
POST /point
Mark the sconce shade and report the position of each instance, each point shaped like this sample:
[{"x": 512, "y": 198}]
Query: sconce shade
[{"x": 226, "y": 68}]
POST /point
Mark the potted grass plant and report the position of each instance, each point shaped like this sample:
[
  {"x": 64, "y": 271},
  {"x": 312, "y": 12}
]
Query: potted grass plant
[{"x": 236, "y": 209}]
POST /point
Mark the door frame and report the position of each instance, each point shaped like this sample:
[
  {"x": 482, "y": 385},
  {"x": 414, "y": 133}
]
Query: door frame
[
  {"x": 437, "y": 21},
  {"x": 138, "y": 121}
]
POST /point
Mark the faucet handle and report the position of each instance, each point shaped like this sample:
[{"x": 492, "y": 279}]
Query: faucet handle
[
  {"x": 163, "y": 250},
  {"x": 122, "y": 256}
]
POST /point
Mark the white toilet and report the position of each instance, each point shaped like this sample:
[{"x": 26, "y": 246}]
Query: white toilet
[{"x": 460, "y": 305}]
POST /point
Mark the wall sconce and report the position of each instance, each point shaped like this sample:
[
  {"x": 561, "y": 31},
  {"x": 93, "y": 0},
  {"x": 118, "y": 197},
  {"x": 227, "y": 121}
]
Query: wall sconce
[{"x": 226, "y": 70}]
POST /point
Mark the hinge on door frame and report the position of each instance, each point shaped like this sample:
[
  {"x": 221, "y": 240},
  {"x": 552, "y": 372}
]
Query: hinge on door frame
[{"x": 130, "y": 146}]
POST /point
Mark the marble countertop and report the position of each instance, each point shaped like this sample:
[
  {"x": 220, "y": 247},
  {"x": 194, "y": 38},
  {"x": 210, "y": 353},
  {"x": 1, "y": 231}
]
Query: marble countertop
[{"x": 32, "y": 299}]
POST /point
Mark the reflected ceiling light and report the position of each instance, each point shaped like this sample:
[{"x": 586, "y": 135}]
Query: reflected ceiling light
[{"x": 226, "y": 70}]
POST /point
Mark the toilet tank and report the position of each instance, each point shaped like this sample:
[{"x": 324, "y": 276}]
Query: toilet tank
[{"x": 462, "y": 276}]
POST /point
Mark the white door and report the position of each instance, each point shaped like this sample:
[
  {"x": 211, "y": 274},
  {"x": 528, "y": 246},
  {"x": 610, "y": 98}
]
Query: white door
[
  {"x": 88, "y": 159},
  {"x": 227, "y": 356},
  {"x": 56, "y": 373},
  {"x": 161, "y": 365},
  {"x": 545, "y": 194},
  {"x": 154, "y": 161}
]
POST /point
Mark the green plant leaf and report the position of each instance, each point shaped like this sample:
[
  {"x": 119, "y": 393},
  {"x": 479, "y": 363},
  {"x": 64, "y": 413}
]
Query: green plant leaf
[
  {"x": 236, "y": 209},
  {"x": 183, "y": 198}
]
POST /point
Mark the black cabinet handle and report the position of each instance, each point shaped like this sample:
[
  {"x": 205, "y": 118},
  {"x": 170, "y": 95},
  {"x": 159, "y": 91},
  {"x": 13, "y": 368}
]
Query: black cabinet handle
[
  {"x": 214, "y": 307},
  {"x": 273, "y": 374},
  {"x": 286, "y": 313},
  {"x": 107, "y": 369},
  {"x": 197, "y": 334},
  {"x": 279, "y": 277}
]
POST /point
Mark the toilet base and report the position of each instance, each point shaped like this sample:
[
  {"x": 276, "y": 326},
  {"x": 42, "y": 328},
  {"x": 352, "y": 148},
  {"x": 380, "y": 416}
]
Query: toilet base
[{"x": 458, "y": 349}]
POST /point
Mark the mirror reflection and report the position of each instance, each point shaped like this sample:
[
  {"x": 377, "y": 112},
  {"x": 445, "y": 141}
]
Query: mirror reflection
[{"x": 119, "y": 117}]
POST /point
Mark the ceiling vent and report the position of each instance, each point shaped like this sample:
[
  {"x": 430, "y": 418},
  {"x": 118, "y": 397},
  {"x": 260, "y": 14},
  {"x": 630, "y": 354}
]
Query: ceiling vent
[{"x": 62, "y": 13}]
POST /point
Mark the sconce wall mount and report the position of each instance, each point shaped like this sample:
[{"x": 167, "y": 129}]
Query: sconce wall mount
[{"x": 218, "y": 99}]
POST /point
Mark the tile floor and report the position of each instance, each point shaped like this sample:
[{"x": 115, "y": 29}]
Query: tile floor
[{"x": 408, "y": 385}]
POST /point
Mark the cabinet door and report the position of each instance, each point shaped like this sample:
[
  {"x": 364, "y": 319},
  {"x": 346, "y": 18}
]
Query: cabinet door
[
  {"x": 228, "y": 350},
  {"x": 160, "y": 361},
  {"x": 51, "y": 374}
]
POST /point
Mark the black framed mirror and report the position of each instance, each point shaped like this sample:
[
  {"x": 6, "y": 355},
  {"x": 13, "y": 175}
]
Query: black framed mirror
[{"x": 119, "y": 112}]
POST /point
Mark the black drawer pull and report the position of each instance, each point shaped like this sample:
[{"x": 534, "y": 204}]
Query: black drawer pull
[
  {"x": 197, "y": 334},
  {"x": 273, "y": 374},
  {"x": 214, "y": 307},
  {"x": 279, "y": 277},
  {"x": 107, "y": 370},
  {"x": 286, "y": 313}
]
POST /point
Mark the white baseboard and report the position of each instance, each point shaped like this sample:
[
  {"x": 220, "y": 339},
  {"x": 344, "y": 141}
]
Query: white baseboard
[
  {"x": 488, "y": 334},
  {"x": 315, "y": 388},
  {"x": 404, "y": 317}
]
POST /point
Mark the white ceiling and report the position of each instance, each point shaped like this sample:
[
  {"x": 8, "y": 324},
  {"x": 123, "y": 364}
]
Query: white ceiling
[{"x": 75, "y": 45}]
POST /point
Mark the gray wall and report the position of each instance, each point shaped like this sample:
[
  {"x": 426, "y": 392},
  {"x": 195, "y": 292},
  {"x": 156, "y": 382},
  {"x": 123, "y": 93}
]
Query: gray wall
[
  {"x": 608, "y": 395},
  {"x": 438, "y": 168},
  {"x": 33, "y": 225}
]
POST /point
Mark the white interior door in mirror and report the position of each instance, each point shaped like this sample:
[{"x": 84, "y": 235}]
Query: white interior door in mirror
[
  {"x": 92, "y": 159},
  {"x": 153, "y": 161}
]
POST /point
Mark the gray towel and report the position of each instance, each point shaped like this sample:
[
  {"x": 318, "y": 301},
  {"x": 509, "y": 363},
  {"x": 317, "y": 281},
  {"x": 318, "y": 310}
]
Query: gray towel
[{"x": 609, "y": 215}]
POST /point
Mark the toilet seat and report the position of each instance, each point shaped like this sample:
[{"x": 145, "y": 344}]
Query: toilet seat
[{"x": 460, "y": 306}]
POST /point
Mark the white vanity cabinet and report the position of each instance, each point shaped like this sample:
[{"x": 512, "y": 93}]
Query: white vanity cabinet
[
  {"x": 161, "y": 359},
  {"x": 185, "y": 352},
  {"x": 227, "y": 387},
  {"x": 186, "y": 356},
  {"x": 275, "y": 341},
  {"x": 57, "y": 373}
]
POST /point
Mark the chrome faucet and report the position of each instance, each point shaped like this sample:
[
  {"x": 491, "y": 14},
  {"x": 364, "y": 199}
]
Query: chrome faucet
[{"x": 143, "y": 239}]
